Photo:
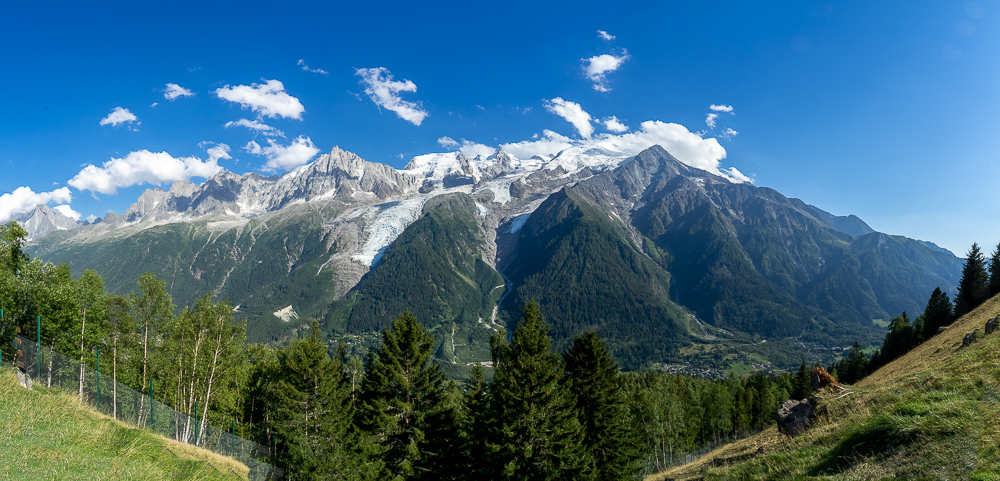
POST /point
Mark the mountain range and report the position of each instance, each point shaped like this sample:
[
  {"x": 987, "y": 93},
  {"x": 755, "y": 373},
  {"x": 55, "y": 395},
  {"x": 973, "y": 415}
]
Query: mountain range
[{"x": 653, "y": 254}]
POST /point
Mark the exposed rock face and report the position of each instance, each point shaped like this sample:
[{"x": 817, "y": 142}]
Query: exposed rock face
[
  {"x": 793, "y": 417},
  {"x": 44, "y": 220}
]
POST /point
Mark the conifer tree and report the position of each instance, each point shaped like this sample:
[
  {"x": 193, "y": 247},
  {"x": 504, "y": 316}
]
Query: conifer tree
[
  {"x": 854, "y": 367},
  {"x": 473, "y": 425},
  {"x": 401, "y": 394},
  {"x": 537, "y": 435},
  {"x": 803, "y": 382},
  {"x": 938, "y": 313},
  {"x": 317, "y": 439},
  {"x": 601, "y": 407},
  {"x": 974, "y": 286},
  {"x": 995, "y": 271}
]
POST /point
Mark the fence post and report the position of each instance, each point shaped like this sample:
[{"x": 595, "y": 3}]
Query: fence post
[
  {"x": 38, "y": 354},
  {"x": 1, "y": 352},
  {"x": 151, "y": 404},
  {"x": 98, "y": 380},
  {"x": 232, "y": 440},
  {"x": 196, "y": 423}
]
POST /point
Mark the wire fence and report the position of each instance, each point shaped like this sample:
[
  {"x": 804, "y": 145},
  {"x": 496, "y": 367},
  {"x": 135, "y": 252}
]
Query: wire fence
[{"x": 53, "y": 369}]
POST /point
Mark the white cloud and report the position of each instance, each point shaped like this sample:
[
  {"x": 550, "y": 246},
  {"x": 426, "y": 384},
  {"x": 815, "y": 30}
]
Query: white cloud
[
  {"x": 91, "y": 218},
  {"x": 729, "y": 133},
  {"x": 468, "y": 148},
  {"x": 284, "y": 157},
  {"x": 447, "y": 142},
  {"x": 710, "y": 120},
  {"x": 268, "y": 99},
  {"x": 305, "y": 67},
  {"x": 573, "y": 113},
  {"x": 598, "y": 67},
  {"x": 551, "y": 143},
  {"x": 688, "y": 147},
  {"x": 721, "y": 108},
  {"x": 154, "y": 105},
  {"x": 385, "y": 93},
  {"x": 173, "y": 91},
  {"x": 24, "y": 200},
  {"x": 613, "y": 124},
  {"x": 142, "y": 167},
  {"x": 67, "y": 211},
  {"x": 119, "y": 116},
  {"x": 605, "y": 35},
  {"x": 255, "y": 125},
  {"x": 216, "y": 151}
]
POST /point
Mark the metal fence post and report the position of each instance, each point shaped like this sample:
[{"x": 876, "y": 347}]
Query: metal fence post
[
  {"x": 151, "y": 403},
  {"x": 38, "y": 354},
  {"x": 98, "y": 380},
  {"x": 196, "y": 423}
]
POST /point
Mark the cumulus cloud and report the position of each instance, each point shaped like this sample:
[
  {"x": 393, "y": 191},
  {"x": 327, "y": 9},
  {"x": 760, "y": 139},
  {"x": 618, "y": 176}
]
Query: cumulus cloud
[
  {"x": 573, "y": 113},
  {"x": 468, "y": 148},
  {"x": 268, "y": 99},
  {"x": 710, "y": 120},
  {"x": 284, "y": 157},
  {"x": 613, "y": 124},
  {"x": 688, "y": 147},
  {"x": 305, "y": 67},
  {"x": 729, "y": 133},
  {"x": 24, "y": 200},
  {"x": 255, "y": 125},
  {"x": 119, "y": 116},
  {"x": 549, "y": 144},
  {"x": 155, "y": 104},
  {"x": 605, "y": 35},
  {"x": 216, "y": 151},
  {"x": 384, "y": 91},
  {"x": 597, "y": 69},
  {"x": 173, "y": 91},
  {"x": 721, "y": 108},
  {"x": 142, "y": 167},
  {"x": 67, "y": 211}
]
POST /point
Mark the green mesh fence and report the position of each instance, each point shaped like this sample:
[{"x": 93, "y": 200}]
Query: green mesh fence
[{"x": 52, "y": 369}]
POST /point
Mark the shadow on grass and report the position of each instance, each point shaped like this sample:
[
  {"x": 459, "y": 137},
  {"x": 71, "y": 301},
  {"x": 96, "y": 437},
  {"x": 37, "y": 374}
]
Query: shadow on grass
[{"x": 881, "y": 435}]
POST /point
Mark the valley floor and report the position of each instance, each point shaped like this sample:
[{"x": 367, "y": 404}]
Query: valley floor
[{"x": 933, "y": 413}]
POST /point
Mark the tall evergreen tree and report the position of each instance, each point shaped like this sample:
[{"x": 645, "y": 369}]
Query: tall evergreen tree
[
  {"x": 803, "y": 382},
  {"x": 901, "y": 338},
  {"x": 538, "y": 436},
  {"x": 601, "y": 407},
  {"x": 474, "y": 424},
  {"x": 995, "y": 271},
  {"x": 313, "y": 417},
  {"x": 854, "y": 367},
  {"x": 938, "y": 313},
  {"x": 974, "y": 286},
  {"x": 401, "y": 395}
]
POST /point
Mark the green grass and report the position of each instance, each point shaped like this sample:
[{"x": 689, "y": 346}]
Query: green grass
[
  {"x": 881, "y": 323},
  {"x": 931, "y": 414},
  {"x": 738, "y": 369},
  {"x": 48, "y": 434}
]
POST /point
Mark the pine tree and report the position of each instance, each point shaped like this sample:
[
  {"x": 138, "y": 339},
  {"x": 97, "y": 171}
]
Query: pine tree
[
  {"x": 474, "y": 423},
  {"x": 401, "y": 394},
  {"x": 538, "y": 436},
  {"x": 854, "y": 367},
  {"x": 995, "y": 271},
  {"x": 601, "y": 407},
  {"x": 938, "y": 313},
  {"x": 974, "y": 286},
  {"x": 314, "y": 421},
  {"x": 803, "y": 382}
]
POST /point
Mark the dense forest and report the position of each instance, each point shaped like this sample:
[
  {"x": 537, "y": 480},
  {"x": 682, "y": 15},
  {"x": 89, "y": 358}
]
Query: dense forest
[{"x": 530, "y": 413}]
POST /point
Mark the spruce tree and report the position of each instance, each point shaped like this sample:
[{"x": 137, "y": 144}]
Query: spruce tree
[
  {"x": 938, "y": 313},
  {"x": 401, "y": 394},
  {"x": 537, "y": 435},
  {"x": 854, "y": 367},
  {"x": 995, "y": 271},
  {"x": 601, "y": 407},
  {"x": 313, "y": 416},
  {"x": 803, "y": 382},
  {"x": 974, "y": 286}
]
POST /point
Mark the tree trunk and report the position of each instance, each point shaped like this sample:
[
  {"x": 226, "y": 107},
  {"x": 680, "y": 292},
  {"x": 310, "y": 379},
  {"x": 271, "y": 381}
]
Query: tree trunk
[
  {"x": 145, "y": 355},
  {"x": 83, "y": 328},
  {"x": 211, "y": 377},
  {"x": 194, "y": 370}
]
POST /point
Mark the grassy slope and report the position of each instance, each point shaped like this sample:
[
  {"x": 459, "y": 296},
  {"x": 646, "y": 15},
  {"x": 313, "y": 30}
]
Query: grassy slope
[
  {"x": 46, "y": 433},
  {"x": 930, "y": 414}
]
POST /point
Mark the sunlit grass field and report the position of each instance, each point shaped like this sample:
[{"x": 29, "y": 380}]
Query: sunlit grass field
[
  {"x": 49, "y": 434},
  {"x": 932, "y": 414}
]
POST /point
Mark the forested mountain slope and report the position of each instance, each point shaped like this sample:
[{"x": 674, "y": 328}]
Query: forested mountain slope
[{"x": 932, "y": 413}]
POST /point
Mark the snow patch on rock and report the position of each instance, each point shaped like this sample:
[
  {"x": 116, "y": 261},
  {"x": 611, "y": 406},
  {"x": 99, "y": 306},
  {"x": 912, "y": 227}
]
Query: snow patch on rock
[{"x": 286, "y": 314}]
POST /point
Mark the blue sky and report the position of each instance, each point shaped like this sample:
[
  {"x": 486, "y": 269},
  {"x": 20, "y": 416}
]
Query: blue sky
[{"x": 887, "y": 110}]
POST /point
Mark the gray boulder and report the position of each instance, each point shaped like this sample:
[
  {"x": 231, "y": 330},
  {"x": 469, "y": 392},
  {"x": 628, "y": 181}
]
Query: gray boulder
[{"x": 793, "y": 416}]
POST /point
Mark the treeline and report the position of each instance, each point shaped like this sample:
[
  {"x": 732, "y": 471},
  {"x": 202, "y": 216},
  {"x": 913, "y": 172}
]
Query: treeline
[
  {"x": 393, "y": 414},
  {"x": 980, "y": 280}
]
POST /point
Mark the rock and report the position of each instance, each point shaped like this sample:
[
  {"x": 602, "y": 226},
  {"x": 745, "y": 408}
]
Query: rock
[
  {"x": 793, "y": 416},
  {"x": 23, "y": 379}
]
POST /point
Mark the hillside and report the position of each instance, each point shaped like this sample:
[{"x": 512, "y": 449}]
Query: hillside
[
  {"x": 47, "y": 433},
  {"x": 932, "y": 413}
]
